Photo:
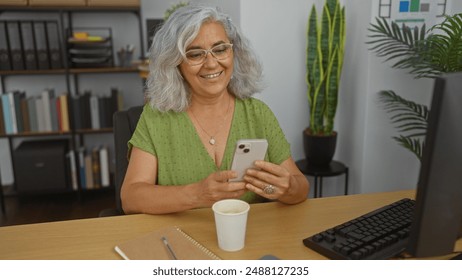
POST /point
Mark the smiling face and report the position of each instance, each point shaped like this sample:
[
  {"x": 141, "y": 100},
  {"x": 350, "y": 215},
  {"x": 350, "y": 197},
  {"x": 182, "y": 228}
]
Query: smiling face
[{"x": 211, "y": 78}]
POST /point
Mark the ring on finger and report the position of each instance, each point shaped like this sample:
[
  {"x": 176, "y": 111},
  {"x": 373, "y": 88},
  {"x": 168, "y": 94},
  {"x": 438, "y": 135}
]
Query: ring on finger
[{"x": 269, "y": 189}]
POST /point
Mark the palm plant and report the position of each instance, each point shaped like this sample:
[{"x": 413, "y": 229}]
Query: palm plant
[{"x": 426, "y": 54}]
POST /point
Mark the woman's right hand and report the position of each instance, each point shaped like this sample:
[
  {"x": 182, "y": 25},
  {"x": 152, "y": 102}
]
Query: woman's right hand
[{"x": 217, "y": 187}]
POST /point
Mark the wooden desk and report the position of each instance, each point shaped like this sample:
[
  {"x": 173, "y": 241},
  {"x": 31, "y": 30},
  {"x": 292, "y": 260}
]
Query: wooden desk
[{"x": 273, "y": 228}]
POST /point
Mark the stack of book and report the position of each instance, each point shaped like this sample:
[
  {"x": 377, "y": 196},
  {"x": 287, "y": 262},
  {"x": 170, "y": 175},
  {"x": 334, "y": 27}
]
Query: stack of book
[
  {"x": 95, "y": 112},
  {"x": 89, "y": 168},
  {"x": 43, "y": 113},
  {"x": 48, "y": 112}
]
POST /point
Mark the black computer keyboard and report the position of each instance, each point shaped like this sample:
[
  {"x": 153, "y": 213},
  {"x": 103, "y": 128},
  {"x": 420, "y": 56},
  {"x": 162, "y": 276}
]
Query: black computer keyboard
[{"x": 377, "y": 235}]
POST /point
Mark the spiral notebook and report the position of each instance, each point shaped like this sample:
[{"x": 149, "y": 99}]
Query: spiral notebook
[{"x": 151, "y": 246}]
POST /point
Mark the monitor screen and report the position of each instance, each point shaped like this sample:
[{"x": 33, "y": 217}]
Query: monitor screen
[{"x": 437, "y": 220}]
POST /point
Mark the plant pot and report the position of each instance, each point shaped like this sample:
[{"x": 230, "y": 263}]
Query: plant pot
[{"x": 319, "y": 149}]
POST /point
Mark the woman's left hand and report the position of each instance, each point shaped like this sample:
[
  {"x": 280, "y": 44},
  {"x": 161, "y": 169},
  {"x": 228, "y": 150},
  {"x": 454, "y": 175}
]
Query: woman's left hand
[{"x": 271, "y": 181}]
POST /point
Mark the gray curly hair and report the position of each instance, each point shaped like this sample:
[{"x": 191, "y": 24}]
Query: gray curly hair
[{"x": 165, "y": 87}]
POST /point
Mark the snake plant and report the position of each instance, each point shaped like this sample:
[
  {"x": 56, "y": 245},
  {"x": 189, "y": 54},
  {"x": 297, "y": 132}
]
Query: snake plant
[
  {"x": 324, "y": 60},
  {"x": 426, "y": 54}
]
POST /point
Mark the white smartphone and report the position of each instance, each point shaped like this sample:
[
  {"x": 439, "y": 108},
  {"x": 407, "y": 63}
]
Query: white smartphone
[{"x": 246, "y": 152}]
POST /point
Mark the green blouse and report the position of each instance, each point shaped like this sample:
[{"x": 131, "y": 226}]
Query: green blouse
[{"x": 181, "y": 156}]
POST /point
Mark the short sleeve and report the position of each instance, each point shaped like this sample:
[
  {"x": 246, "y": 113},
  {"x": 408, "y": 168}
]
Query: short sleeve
[
  {"x": 278, "y": 146},
  {"x": 141, "y": 137}
]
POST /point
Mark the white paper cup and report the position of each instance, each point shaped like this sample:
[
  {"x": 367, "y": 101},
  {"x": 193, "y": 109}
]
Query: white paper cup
[{"x": 231, "y": 223}]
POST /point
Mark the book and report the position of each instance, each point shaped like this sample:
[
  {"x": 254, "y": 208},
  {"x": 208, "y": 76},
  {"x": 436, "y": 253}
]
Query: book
[
  {"x": 32, "y": 113},
  {"x": 102, "y": 103},
  {"x": 25, "y": 114},
  {"x": 14, "y": 122},
  {"x": 89, "y": 171},
  {"x": 96, "y": 167},
  {"x": 151, "y": 247},
  {"x": 76, "y": 112},
  {"x": 94, "y": 112},
  {"x": 40, "y": 114},
  {"x": 17, "y": 97},
  {"x": 58, "y": 113},
  {"x": 47, "y": 95},
  {"x": 81, "y": 167},
  {"x": 54, "y": 114},
  {"x": 2, "y": 122},
  {"x": 7, "y": 114},
  {"x": 104, "y": 166},
  {"x": 64, "y": 113},
  {"x": 73, "y": 169},
  {"x": 85, "y": 112}
]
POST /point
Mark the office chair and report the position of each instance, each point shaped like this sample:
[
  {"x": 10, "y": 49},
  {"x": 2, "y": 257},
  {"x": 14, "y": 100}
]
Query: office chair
[
  {"x": 124, "y": 126},
  {"x": 2, "y": 197}
]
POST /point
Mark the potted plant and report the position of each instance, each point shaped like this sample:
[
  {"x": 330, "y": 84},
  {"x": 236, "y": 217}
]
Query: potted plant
[
  {"x": 427, "y": 55},
  {"x": 173, "y": 8},
  {"x": 324, "y": 60}
]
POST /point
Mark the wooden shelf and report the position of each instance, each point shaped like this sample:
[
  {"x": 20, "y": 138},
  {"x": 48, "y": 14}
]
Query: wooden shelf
[
  {"x": 71, "y": 71},
  {"x": 103, "y": 70},
  {"x": 70, "y": 8},
  {"x": 94, "y": 131},
  {"x": 35, "y": 133},
  {"x": 33, "y": 72}
]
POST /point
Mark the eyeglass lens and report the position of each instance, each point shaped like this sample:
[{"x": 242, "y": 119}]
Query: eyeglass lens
[{"x": 198, "y": 56}]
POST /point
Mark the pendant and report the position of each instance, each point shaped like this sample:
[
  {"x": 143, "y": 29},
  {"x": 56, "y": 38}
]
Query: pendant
[{"x": 212, "y": 141}]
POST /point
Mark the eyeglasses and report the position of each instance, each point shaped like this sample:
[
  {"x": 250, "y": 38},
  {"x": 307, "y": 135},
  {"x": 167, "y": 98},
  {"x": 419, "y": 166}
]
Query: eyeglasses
[{"x": 197, "y": 56}]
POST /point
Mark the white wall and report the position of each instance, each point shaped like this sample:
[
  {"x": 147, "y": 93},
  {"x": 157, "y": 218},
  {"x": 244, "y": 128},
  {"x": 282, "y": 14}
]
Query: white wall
[
  {"x": 155, "y": 9},
  {"x": 279, "y": 36},
  {"x": 277, "y": 31}
]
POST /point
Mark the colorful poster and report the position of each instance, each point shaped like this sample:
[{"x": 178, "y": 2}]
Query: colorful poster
[{"x": 413, "y": 12}]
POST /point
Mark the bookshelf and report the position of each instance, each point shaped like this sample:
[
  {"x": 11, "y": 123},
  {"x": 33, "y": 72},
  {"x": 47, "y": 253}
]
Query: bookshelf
[{"x": 76, "y": 135}]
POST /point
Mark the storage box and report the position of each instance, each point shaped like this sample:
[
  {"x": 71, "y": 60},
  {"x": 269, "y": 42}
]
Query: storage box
[
  {"x": 41, "y": 167},
  {"x": 13, "y": 2},
  {"x": 113, "y": 3},
  {"x": 57, "y": 3}
]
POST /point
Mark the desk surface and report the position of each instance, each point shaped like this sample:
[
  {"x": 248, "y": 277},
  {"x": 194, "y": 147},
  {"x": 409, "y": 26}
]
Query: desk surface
[{"x": 273, "y": 228}]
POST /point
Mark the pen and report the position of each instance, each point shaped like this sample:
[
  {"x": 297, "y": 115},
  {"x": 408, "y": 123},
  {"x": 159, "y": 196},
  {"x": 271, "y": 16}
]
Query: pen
[{"x": 169, "y": 248}]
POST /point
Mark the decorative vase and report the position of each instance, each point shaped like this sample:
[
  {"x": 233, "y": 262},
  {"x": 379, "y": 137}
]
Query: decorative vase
[{"x": 319, "y": 149}]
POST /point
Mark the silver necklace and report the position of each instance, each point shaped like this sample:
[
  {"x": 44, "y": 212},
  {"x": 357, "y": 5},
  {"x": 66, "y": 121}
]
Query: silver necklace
[{"x": 212, "y": 140}]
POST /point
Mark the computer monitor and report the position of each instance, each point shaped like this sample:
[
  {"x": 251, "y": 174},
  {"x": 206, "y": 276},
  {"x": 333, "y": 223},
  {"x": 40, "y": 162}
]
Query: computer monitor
[{"x": 437, "y": 222}]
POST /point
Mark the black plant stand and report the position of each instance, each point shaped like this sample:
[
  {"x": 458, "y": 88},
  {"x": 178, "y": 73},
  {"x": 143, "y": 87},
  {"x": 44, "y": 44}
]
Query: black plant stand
[{"x": 335, "y": 168}]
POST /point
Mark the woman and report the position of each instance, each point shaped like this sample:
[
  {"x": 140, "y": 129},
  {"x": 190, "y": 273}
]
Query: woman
[{"x": 202, "y": 74}]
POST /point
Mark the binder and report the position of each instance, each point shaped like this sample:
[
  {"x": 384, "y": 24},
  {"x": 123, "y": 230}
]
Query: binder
[
  {"x": 15, "y": 47},
  {"x": 54, "y": 45},
  {"x": 5, "y": 59},
  {"x": 41, "y": 44},
  {"x": 28, "y": 39}
]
